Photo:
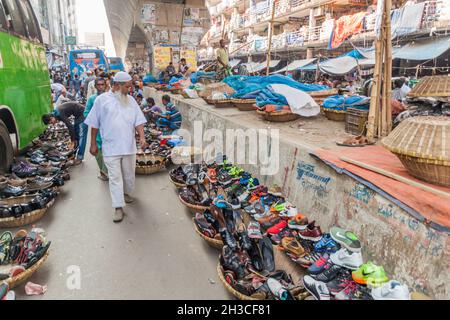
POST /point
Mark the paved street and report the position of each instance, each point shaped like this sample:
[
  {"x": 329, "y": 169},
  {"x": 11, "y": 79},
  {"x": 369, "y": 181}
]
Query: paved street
[{"x": 153, "y": 254}]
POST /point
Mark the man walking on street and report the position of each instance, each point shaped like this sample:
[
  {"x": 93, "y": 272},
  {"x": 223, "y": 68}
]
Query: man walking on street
[{"x": 117, "y": 116}]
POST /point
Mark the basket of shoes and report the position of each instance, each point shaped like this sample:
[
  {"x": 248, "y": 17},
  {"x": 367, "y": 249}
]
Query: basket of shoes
[
  {"x": 422, "y": 145},
  {"x": 244, "y": 104},
  {"x": 279, "y": 116},
  {"x": 335, "y": 115},
  {"x": 25, "y": 210},
  {"x": 209, "y": 101},
  {"x": 206, "y": 230},
  {"x": 178, "y": 178},
  {"x": 147, "y": 164},
  {"x": 223, "y": 103},
  {"x": 22, "y": 254},
  {"x": 193, "y": 200}
]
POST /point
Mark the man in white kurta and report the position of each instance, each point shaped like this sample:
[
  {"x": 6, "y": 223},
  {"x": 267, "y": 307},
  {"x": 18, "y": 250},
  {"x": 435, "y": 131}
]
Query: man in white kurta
[{"x": 117, "y": 116}]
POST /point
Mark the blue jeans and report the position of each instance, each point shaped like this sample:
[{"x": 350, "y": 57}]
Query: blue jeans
[{"x": 81, "y": 131}]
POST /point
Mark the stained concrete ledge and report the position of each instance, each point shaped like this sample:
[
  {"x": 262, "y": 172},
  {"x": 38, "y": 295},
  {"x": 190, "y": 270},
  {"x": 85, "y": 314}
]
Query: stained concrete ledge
[{"x": 410, "y": 251}]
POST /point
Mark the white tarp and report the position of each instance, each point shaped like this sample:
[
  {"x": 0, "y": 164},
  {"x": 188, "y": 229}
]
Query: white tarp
[
  {"x": 297, "y": 64},
  {"x": 254, "y": 67},
  {"x": 339, "y": 66},
  {"x": 234, "y": 63},
  {"x": 300, "y": 102}
]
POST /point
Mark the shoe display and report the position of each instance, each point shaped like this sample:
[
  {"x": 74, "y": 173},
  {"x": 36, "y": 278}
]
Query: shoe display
[{"x": 341, "y": 281}]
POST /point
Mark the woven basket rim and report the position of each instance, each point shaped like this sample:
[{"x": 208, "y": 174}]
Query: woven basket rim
[
  {"x": 233, "y": 291},
  {"x": 334, "y": 111},
  {"x": 177, "y": 184},
  {"x": 419, "y": 158},
  {"x": 26, "y": 219},
  {"x": 244, "y": 101},
  {"x": 276, "y": 114},
  {"x": 24, "y": 276},
  {"x": 212, "y": 242},
  {"x": 192, "y": 206}
]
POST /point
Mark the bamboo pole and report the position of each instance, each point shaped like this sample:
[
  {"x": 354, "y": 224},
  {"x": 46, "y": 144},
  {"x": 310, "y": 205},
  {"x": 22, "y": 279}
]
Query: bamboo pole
[
  {"x": 376, "y": 90},
  {"x": 270, "y": 37},
  {"x": 397, "y": 177},
  {"x": 385, "y": 84},
  {"x": 388, "y": 66}
]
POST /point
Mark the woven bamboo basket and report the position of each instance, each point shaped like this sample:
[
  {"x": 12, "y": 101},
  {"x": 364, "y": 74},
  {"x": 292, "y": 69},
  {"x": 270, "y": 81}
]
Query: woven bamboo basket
[
  {"x": 423, "y": 146},
  {"x": 177, "y": 184},
  {"x": 193, "y": 207},
  {"x": 282, "y": 116},
  {"x": 24, "y": 276},
  {"x": 433, "y": 86},
  {"x": 224, "y": 103},
  {"x": 334, "y": 115},
  {"x": 230, "y": 289},
  {"x": 25, "y": 219},
  {"x": 148, "y": 170},
  {"x": 244, "y": 104},
  {"x": 209, "y": 101},
  {"x": 217, "y": 244}
]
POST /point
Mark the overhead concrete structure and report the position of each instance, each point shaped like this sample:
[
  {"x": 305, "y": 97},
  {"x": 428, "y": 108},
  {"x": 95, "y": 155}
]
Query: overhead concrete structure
[{"x": 169, "y": 25}]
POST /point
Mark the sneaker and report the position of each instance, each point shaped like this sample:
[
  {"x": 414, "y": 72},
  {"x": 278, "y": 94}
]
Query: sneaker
[
  {"x": 312, "y": 232},
  {"x": 319, "y": 265},
  {"x": 347, "y": 259},
  {"x": 346, "y": 238},
  {"x": 278, "y": 238},
  {"x": 354, "y": 291},
  {"x": 254, "y": 230},
  {"x": 370, "y": 274},
  {"x": 118, "y": 215},
  {"x": 300, "y": 222},
  {"x": 277, "y": 228},
  {"x": 228, "y": 239},
  {"x": 220, "y": 202},
  {"x": 278, "y": 290},
  {"x": 340, "y": 282},
  {"x": 204, "y": 226},
  {"x": 326, "y": 245},
  {"x": 318, "y": 289},
  {"x": 392, "y": 290},
  {"x": 244, "y": 239},
  {"x": 330, "y": 272},
  {"x": 293, "y": 246}
]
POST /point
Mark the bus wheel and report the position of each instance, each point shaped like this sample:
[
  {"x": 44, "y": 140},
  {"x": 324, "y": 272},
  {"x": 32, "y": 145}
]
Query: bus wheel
[{"x": 6, "y": 149}]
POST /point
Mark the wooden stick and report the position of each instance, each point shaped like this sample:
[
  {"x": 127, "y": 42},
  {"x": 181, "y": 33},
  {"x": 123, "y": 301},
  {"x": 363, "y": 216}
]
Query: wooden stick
[
  {"x": 376, "y": 89},
  {"x": 388, "y": 66},
  {"x": 270, "y": 38},
  {"x": 384, "y": 73},
  {"x": 397, "y": 177}
]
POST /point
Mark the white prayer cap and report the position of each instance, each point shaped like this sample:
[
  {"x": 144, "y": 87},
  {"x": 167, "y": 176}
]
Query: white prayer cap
[{"x": 122, "y": 77}]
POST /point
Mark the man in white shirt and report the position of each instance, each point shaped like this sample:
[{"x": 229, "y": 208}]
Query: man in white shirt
[
  {"x": 117, "y": 116},
  {"x": 62, "y": 98}
]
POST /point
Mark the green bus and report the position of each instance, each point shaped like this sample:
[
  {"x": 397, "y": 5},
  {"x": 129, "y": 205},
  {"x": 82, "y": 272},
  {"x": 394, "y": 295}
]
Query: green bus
[{"x": 25, "y": 93}]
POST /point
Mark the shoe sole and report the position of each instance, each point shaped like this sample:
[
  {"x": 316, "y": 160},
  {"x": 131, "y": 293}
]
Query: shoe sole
[
  {"x": 297, "y": 228},
  {"x": 315, "y": 239}
]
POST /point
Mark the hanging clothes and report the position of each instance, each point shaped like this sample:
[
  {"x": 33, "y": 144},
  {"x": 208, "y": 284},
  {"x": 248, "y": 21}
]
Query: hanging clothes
[
  {"x": 407, "y": 20},
  {"x": 345, "y": 27}
]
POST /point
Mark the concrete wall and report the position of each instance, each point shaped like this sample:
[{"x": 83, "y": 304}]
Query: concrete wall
[{"x": 409, "y": 251}]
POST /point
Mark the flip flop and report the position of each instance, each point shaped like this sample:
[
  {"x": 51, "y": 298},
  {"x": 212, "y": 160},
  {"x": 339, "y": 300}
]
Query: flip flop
[{"x": 267, "y": 254}]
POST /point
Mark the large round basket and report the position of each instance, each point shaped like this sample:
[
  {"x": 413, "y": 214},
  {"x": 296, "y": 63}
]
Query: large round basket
[
  {"x": 217, "y": 244},
  {"x": 230, "y": 289},
  {"x": 224, "y": 103},
  {"x": 334, "y": 115},
  {"x": 244, "y": 104},
  {"x": 209, "y": 101},
  {"x": 177, "y": 184},
  {"x": 423, "y": 146},
  {"x": 193, "y": 207},
  {"x": 24, "y": 276},
  {"x": 320, "y": 96},
  {"x": 148, "y": 170},
  {"x": 281, "y": 116},
  {"x": 25, "y": 219}
]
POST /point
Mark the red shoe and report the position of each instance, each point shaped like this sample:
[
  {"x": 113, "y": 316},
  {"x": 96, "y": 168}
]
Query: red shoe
[
  {"x": 277, "y": 228},
  {"x": 312, "y": 232}
]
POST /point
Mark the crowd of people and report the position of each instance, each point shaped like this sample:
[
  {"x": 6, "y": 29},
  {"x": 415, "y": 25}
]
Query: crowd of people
[{"x": 117, "y": 107}]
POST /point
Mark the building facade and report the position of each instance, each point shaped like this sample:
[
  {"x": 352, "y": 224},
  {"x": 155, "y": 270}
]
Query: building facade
[{"x": 57, "y": 19}]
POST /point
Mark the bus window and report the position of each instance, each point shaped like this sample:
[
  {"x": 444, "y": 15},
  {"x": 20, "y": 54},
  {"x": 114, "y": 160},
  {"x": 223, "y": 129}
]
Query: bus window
[
  {"x": 29, "y": 21},
  {"x": 13, "y": 18},
  {"x": 2, "y": 18}
]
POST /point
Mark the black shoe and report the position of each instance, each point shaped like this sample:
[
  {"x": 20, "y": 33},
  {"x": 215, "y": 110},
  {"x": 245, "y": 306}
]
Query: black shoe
[
  {"x": 229, "y": 220},
  {"x": 228, "y": 239},
  {"x": 330, "y": 273},
  {"x": 255, "y": 256},
  {"x": 231, "y": 261},
  {"x": 244, "y": 240},
  {"x": 12, "y": 192},
  {"x": 234, "y": 201},
  {"x": 17, "y": 210},
  {"x": 267, "y": 254},
  {"x": 5, "y": 212}
]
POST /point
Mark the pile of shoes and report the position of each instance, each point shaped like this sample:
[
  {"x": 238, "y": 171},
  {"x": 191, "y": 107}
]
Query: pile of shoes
[
  {"x": 333, "y": 261},
  {"x": 39, "y": 201},
  {"x": 21, "y": 251},
  {"x": 5, "y": 293}
]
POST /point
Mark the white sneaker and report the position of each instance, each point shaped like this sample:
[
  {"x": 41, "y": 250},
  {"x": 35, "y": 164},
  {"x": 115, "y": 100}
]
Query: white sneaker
[
  {"x": 347, "y": 259},
  {"x": 318, "y": 289},
  {"x": 392, "y": 290},
  {"x": 290, "y": 212},
  {"x": 277, "y": 289}
]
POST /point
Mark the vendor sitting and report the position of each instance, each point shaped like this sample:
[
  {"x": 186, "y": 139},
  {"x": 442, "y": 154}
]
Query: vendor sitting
[
  {"x": 151, "y": 111},
  {"x": 170, "y": 120}
]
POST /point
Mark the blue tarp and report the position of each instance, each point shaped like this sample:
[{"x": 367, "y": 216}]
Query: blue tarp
[
  {"x": 149, "y": 79},
  {"x": 201, "y": 74},
  {"x": 258, "y": 88},
  {"x": 341, "y": 103}
]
